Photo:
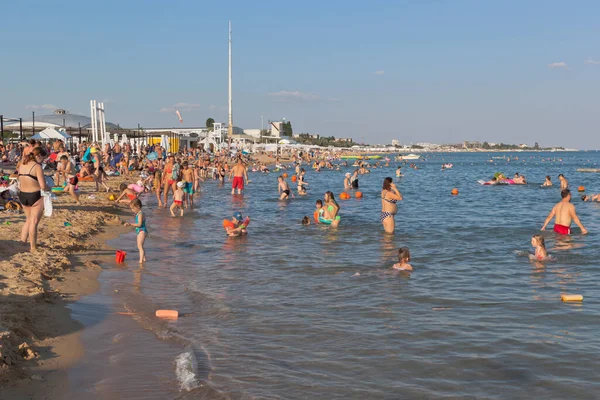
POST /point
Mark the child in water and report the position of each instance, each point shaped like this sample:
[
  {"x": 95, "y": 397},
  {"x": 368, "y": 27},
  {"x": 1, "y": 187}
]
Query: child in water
[
  {"x": 537, "y": 241},
  {"x": 318, "y": 211},
  {"x": 404, "y": 258},
  {"x": 140, "y": 227},
  {"x": 283, "y": 188},
  {"x": 548, "y": 181},
  {"x": 305, "y": 220},
  {"x": 178, "y": 198},
  {"x": 238, "y": 225},
  {"x": 127, "y": 194}
]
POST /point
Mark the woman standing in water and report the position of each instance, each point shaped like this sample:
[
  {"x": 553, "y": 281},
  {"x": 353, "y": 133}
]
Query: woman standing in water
[
  {"x": 390, "y": 195},
  {"x": 330, "y": 211}
]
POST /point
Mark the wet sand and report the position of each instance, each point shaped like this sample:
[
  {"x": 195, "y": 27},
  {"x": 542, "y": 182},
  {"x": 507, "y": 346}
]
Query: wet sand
[{"x": 38, "y": 337}]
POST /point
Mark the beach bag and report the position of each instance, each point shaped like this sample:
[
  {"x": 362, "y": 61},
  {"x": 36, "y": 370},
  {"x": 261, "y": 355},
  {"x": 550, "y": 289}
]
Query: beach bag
[
  {"x": 176, "y": 171},
  {"x": 47, "y": 203},
  {"x": 87, "y": 156}
]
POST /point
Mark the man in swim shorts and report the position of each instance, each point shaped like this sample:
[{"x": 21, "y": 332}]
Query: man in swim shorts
[
  {"x": 240, "y": 176},
  {"x": 564, "y": 212}
]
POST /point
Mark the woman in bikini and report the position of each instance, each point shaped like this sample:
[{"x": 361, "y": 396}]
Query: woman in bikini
[
  {"x": 330, "y": 211},
  {"x": 168, "y": 181},
  {"x": 31, "y": 183},
  {"x": 390, "y": 195}
]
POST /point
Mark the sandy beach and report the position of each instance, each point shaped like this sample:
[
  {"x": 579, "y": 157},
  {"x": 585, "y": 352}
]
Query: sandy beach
[{"x": 38, "y": 338}]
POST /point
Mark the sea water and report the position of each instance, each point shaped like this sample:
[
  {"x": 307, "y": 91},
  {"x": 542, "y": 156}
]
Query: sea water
[{"x": 312, "y": 312}]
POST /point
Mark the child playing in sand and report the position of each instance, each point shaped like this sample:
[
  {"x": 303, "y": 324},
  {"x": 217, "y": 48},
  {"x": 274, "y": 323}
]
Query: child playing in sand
[
  {"x": 537, "y": 241},
  {"x": 238, "y": 228},
  {"x": 178, "y": 198},
  {"x": 140, "y": 227},
  {"x": 404, "y": 258},
  {"x": 127, "y": 195}
]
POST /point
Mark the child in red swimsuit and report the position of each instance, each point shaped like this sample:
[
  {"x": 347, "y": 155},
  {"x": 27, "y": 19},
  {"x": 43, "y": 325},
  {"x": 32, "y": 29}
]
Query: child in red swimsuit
[{"x": 178, "y": 199}]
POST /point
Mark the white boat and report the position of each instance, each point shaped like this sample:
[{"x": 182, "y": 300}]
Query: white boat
[{"x": 409, "y": 157}]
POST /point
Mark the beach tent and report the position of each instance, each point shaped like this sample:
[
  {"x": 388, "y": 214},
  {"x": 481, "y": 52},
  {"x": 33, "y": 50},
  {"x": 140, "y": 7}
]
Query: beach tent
[
  {"x": 51, "y": 133},
  {"x": 287, "y": 141}
]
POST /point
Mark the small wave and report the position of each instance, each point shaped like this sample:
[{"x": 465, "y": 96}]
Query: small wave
[{"x": 185, "y": 369}]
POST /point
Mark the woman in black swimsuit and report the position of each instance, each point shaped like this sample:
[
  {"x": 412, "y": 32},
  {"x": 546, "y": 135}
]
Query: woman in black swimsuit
[{"x": 31, "y": 182}]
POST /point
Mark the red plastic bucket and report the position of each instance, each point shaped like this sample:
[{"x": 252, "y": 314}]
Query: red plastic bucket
[{"x": 121, "y": 256}]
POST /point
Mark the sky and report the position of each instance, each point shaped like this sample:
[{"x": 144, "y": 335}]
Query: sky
[{"x": 435, "y": 71}]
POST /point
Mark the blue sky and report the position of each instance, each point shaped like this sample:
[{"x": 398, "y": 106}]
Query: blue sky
[{"x": 434, "y": 71}]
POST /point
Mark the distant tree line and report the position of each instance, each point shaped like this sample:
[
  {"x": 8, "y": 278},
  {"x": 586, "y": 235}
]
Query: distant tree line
[{"x": 307, "y": 138}]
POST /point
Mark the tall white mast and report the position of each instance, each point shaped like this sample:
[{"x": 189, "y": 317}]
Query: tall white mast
[{"x": 230, "y": 127}]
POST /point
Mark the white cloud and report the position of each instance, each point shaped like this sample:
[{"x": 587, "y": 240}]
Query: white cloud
[
  {"x": 41, "y": 106},
  {"x": 379, "y": 72},
  {"x": 592, "y": 62},
  {"x": 560, "y": 64},
  {"x": 181, "y": 106},
  {"x": 288, "y": 97}
]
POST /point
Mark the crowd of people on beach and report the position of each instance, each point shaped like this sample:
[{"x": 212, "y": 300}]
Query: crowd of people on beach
[{"x": 174, "y": 178}]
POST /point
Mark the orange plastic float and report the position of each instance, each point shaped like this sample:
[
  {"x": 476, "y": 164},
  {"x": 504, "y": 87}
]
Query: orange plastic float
[
  {"x": 571, "y": 297},
  {"x": 172, "y": 314},
  {"x": 581, "y": 188},
  {"x": 358, "y": 195},
  {"x": 344, "y": 196},
  {"x": 454, "y": 192},
  {"x": 285, "y": 175},
  {"x": 294, "y": 178}
]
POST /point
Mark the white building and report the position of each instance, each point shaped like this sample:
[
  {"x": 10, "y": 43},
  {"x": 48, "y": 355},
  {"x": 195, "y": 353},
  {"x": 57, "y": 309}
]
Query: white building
[
  {"x": 395, "y": 142},
  {"x": 252, "y": 132}
]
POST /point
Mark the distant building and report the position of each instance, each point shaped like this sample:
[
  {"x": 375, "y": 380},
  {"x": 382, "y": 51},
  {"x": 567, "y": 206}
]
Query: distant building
[
  {"x": 252, "y": 132},
  {"x": 395, "y": 142},
  {"x": 523, "y": 146},
  {"x": 471, "y": 145}
]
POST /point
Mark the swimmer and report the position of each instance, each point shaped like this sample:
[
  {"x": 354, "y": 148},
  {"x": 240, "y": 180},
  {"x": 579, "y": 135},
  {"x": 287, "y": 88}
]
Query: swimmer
[
  {"x": 238, "y": 226},
  {"x": 538, "y": 243},
  {"x": 283, "y": 189},
  {"x": 305, "y": 220},
  {"x": 564, "y": 212},
  {"x": 591, "y": 197},
  {"x": 547, "y": 182},
  {"x": 348, "y": 181},
  {"x": 493, "y": 181},
  {"x": 403, "y": 258},
  {"x": 140, "y": 227},
  {"x": 318, "y": 211},
  {"x": 301, "y": 183},
  {"x": 178, "y": 199},
  {"x": 564, "y": 183},
  {"x": 399, "y": 172},
  {"x": 330, "y": 211},
  {"x": 390, "y": 195}
]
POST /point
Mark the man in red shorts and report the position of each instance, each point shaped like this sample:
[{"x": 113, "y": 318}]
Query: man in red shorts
[
  {"x": 564, "y": 213},
  {"x": 239, "y": 176}
]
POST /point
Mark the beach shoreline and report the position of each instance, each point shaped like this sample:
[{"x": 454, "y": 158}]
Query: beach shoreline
[{"x": 39, "y": 340}]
